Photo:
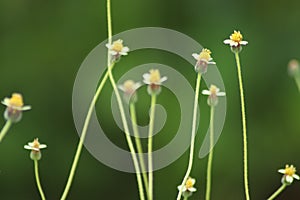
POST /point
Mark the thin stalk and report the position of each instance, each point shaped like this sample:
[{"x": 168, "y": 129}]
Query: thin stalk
[
  {"x": 210, "y": 157},
  {"x": 187, "y": 174},
  {"x": 277, "y": 192},
  {"x": 5, "y": 129},
  {"x": 138, "y": 145},
  {"x": 297, "y": 80},
  {"x": 150, "y": 146},
  {"x": 121, "y": 108},
  {"x": 83, "y": 135},
  {"x": 37, "y": 178},
  {"x": 246, "y": 184},
  {"x": 185, "y": 198}
]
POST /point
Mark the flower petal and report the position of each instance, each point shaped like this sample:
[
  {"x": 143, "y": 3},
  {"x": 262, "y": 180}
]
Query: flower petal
[
  {"x": 42, "y": 146},
  {"x": 243, "y": 42},
  {"x": 192, "y": 189},
  {"x": 227, "y": 41},
  {"x": 196, "y": 56},
  {"x": 296, "y": 176},
  {"x": 221, "y": 94},
  {"x": 206, "y": 92},
  {"x": 163, "y": 79},
  {"x": 282, "y": 171}
]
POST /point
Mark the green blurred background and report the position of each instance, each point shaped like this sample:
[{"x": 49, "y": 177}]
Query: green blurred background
[{"x": 43, "y": 43}]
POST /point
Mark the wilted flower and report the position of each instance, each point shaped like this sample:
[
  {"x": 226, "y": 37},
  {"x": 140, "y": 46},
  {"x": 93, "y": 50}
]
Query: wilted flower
[
  {"x": 289, "y": 173},
  {"x": 35, "y": 148},
  {"x": 129, "y": 88},
  {"x": 213, "y": 93},
  {"x": 235, "y": 41},
  {"x": 154, "y": 80},
  {"x": 117, "y": 49},
  {"x": 15, "y": 107},
  {"x": 203, "y": 59},
  {"x": 188, "y": 188}
]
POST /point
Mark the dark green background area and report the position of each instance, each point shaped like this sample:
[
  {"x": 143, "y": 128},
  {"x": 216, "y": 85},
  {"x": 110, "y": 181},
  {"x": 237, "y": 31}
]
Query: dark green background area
[{"x": 43, "y": 43}]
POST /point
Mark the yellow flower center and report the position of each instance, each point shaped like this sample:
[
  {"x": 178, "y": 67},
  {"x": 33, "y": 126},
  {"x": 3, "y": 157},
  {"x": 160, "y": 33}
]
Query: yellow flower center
[
  {"x": 16, "y": 100},
  {"x": 154, "y": 76},
  {"x": 117, "y": 46},
  {"x": 189, "y": 183},
  {"x": 36, "y": 143},
  {"x": 205, "y": 54},
  {"x": 213, "y": 90},
  {"x": 236, "y": 36},
  {"x": 290, "y": 170},
  {"x": 128, "y": 85}
]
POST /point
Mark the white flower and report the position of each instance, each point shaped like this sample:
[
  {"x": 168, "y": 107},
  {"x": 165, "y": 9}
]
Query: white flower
[
  {"x": 117, "y": 48},
  {"x": 35, "y": 145},
  {"x": 289, "y": 174},
  {"x": 213, "y": 91},
  {"x": 236, "y": 39},
  {"x": 15, "y": 102},
  {"x": 189, "y": 185},
  {"x": 204, "y": 55},
  {"x": 129, "y": 86},
  {"x": 153, "y": 77}
]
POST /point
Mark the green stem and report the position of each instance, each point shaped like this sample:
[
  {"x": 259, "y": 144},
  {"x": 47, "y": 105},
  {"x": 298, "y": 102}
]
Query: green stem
[
  {"x": 5, "y": 129},
  {"x": 121, "y": 108},
  {"x": 37, "y": 178},
  {"x": 185, "y": 198},
  {"x": 150, "y": 145},
  {"x": 194, "y": 123},
  {"x": 246, "y": 185},
  {"x": 139, "y": 145},
  {"x": 210, "y": 157},
  {"x": 277, "y": 192},
  {"x": 83, "y": 135},
  {"x": 297, "y": 80}
]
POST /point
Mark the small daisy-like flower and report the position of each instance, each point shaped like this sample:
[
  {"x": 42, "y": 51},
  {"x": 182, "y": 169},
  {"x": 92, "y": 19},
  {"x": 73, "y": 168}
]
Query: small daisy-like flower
[
  {"x": 129, "y": 88},
  {"x": 35, "y": 148},
  {"x": 188, "y": 188},
  {"x": 289, "y": 174},
  {"x": 154, "y": 80},
  {"x": 117, "y": 49},
  {"x": 203, "y": 59},
  {"x": 15, "y": 106},
  {"x": 293, "y": 67},
  {"x": 213, "y": 94},
  {"x": 236, "y": 39}
]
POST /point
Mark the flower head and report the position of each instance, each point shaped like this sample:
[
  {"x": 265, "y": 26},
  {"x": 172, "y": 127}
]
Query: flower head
[
  {"x": 188, "y": 188},
  {"x": 154, "y": 80},
  {"x": 213, "y": 93},
  {"x": 293, "y": 67},
  {"x": 117, "y": 49},
  {"x": 129, "y": 88},
  {"x": 35, "y": 148},
  {"x": 203, "y": 59},
  {"x": 236, "y": 39},
  {"x": 289, "y": 173},
  {"x": 15, "y": 106}
]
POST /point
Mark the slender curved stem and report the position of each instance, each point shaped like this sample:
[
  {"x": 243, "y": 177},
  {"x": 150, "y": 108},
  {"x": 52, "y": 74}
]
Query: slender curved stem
[
  {"x": 277, "y": 192},
  {"x": 246, "y": 184},
  {"x": 121, "y": 108},
  {"x": 5, "y": 129},
  {"x": 185, "y": 198},
  {"x": 138, "y": 145},
  {"x": 194, "y": 123},
  {"x": 83, "y": 135},
  {"x": 297, "y": 80},
  {"x": 150, "y": 145},
  {"x": 37, "y": 178},
  {"x": 210, "y": 157}
]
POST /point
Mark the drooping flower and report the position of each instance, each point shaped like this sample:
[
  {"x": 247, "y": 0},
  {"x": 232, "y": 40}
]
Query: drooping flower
[
  {"x": 14, "y": 107},
  {"x": 117, "y": 49},
  {"x": 154, "y": 81},
  {"x": 188, "y": 188},
  {"x": 213, "y": 94},
  {"x": 203, "y": 60},
  {"x": 35, "y": 148},
  {"x": 289, "y": 174},
  {"x": 129, "y": 88}
]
